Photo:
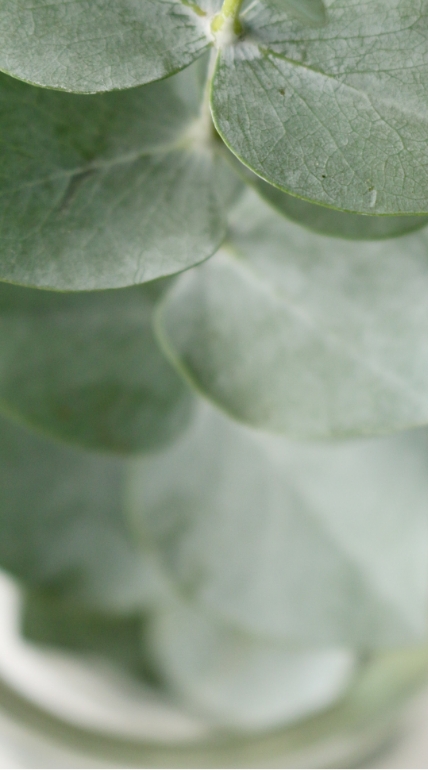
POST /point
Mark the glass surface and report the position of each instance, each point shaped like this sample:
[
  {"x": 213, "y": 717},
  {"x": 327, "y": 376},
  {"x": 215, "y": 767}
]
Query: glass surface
[{"x": 61, "y": 710}]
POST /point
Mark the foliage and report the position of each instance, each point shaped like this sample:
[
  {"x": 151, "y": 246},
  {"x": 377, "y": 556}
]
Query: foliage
[{"x": 226, "y": 550}]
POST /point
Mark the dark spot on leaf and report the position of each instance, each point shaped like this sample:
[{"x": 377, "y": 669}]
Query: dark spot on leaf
[{"x": 72, "y": 189}]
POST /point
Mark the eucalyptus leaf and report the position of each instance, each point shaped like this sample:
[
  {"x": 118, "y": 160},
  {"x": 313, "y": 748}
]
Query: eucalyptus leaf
[
  {"x": 338, "y": 224},
  {"x": 324, "y": 220},
  {"x": 48, "y": 621},
  {"x": 312, "y": 337},
  {"x": 336, "y": 115},
  {"x": 242, "y": 681},
  {"x": 307, "y": 11},
  {"x": 62, "y": 528},
  {"x": 85, "y": 367},
  {"x": 109, "y": 190},
  {"x": 98, "y": 46},
  {"x": 310, "y": 544}
]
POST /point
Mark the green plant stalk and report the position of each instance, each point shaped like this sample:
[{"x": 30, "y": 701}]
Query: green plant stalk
[{"x": 227, "y": 16}]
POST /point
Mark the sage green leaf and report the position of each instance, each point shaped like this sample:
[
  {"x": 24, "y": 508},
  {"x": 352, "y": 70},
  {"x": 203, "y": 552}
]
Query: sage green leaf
[
  {"x": 109, "y": 190},
  {"x": 85, "y": 367},
  {"x": 312, "y": 337},
  {"x": 321, "y": 219},
  {"x": 338, "y": 224},
  {"x": 46, "y": 620},
  {"x": 89, "y": 46},
  {"x": 61, "y": 523},
  {"x": 336, "y": 115},
  {"x": 242, "y": 681},
  {"x": 307, "y": 11},
  {"x": 314, "y": 544}
]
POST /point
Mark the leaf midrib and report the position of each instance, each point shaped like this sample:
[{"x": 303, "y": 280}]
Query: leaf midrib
[{"x": 105, "y": 165}]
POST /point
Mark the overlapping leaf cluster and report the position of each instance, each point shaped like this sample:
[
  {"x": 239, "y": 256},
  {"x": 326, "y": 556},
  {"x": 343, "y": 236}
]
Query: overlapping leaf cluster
[{"x": 285, "y": 148}]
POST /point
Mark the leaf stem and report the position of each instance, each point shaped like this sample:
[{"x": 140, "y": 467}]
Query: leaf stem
[
  {"x": 228, "y": 16},
  {"x": 201, "y": 133}
]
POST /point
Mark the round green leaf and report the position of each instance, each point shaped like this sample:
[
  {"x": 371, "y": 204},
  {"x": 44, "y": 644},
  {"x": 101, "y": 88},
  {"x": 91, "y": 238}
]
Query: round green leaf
[
  {"x": 109, "y": 190},
  {"x": 242, "y": 681},
  {"x": 336, "y": 115},
  {"x": 338, "y": 224},
  {"x": 94, "y": 46},
  {"x": 307, "y": 11},
  {"x": 85, "y": 367},
  {"x": 308, "y": 336},
  {"x": 314, "y": 544}
]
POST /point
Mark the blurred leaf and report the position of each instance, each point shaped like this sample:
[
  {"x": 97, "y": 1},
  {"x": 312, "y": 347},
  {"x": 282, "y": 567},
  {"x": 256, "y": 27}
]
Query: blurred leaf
[
  {"x": 313, "y": 544},
  {"x": 86, "y": 367},
  {"x": 90, "y": 46},
  {"x": 239, "y": 680},
  {"x": 336, "y": 115},
  {"x": 110, "y": 190},
  {"x": 61, "y": 523},
  {"x": 338, "y": 224},
  {"x": 52, "y": 622},
  {"x": 309, "y": 336}
]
